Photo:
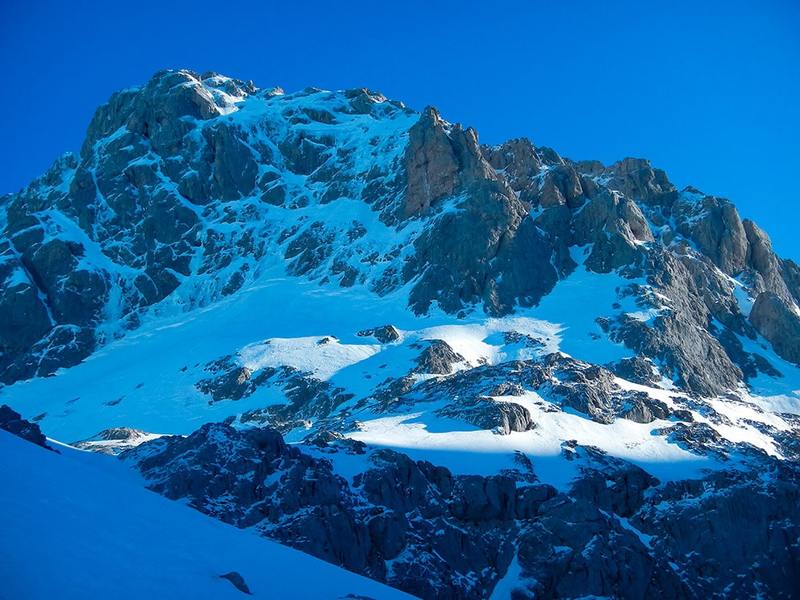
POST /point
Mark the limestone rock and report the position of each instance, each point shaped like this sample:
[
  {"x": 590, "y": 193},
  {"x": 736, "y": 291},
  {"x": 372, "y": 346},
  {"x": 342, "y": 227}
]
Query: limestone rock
[
  {"x": 385, "y": 334},
  {"x": 431, "y": 164},
  {"x": 779, "y": 324},
  {"x": 438, "y": 358},
  {"x": 503, "y": 417}
]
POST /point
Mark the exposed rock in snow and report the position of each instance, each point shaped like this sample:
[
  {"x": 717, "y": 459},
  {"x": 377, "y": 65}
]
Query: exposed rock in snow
[
  {"x": 487, "y": 413},
  {"x": 432, "y": 533},
  {"x": 385, "y": 334},
  {"x": 115, "y": 440}
]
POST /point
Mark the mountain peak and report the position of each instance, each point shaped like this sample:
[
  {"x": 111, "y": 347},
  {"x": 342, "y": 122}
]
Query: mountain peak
[{"x": 440, "y": 364}]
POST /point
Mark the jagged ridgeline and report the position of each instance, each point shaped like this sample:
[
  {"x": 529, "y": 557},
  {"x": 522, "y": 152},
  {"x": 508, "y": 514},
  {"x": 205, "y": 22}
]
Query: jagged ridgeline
[
  {"x": 192, "y": 186},
  {"x": 458, "y": 369}
]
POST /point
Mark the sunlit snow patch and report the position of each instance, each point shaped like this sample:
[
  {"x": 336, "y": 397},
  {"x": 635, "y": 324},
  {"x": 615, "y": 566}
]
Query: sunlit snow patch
[{"x": 322, "y": 357}]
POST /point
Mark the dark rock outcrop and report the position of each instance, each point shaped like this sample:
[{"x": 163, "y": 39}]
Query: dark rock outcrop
[
  {"x": 252, "y": 478},
  {"x": 779, "y": 324},
  {"x": 438, "y": 358},
  {"x": 636, "y": 369},
  {"x": 12, "y": 422},
  {"x": 576, "y": 549},
  {"x": 385, "y": 334},
  {"x": 237, "y": 581},
  {"x": 232, "y": 383},
  {"x": 616, "y": 531},
  {"x": 487, "y": 413},
  {"x": 730, "y": 527}
]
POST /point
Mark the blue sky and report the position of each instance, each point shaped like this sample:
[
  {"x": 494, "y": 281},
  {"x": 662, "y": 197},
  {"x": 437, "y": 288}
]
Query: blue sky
[{"x": 709, "y": 91}]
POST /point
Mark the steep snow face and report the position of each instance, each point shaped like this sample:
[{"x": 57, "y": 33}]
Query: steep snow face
[
  {"x": 147, "y": 380},
  {"x": 294, "y": 354},
  {"x": 64, "y": 532}
]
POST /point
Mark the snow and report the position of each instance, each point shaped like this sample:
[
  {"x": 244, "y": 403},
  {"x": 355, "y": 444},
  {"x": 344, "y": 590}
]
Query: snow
[
  {"x": 645, "y": 316},
  {"x": 147, "y": 379},
  {"x": 647, "y": 540},
  {"x": 743, "y": 298},
  {"x": 479, "y": 343},
  {"x": 323, "y": 357},
  {"x": 465, "y": 449},
  {"x": 509, "y": 582},
  {"x": 580, "y": 336},
  {"x": 80, "y": 525},
  {"x": 774, "y": 394},
  {"x": 15, "y": 278}
]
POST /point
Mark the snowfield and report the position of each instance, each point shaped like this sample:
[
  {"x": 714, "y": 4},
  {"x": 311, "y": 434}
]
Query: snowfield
[
  {"x": 147, "y": 379},
  {"x": 80, "y": 525}
]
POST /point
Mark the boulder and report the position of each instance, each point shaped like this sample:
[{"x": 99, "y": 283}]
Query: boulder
[
  {"x": 438, "y": 358},
  {"x": 502, "y": 417},
  {"x": 385, "y": 334}
]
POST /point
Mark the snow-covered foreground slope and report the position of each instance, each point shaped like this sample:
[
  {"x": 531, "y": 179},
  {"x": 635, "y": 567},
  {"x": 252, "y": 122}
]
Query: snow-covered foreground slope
[{"x": 79, "y": 525}]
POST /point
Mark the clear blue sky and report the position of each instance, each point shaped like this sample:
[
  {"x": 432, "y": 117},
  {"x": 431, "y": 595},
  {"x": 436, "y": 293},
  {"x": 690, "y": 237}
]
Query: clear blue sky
[{"x": 707, "y": 90}]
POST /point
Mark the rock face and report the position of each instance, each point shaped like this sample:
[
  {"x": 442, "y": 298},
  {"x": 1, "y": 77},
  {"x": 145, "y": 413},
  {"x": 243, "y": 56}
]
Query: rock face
[
  {"x": 431, "y": 163},
  {"x": 729, "y": 521},
  {"x": 679, "y": 337},
  {"x": 615, "y": 532},
  {"x": 252, "y": 478},
  {"x": 778, "y": 324},
  {"x": 719, "y": 233}
]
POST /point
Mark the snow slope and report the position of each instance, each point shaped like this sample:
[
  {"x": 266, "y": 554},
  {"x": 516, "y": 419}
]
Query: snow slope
[
  {"x": 147, "y": 379},
  {"x": 122, "y": 386},
  {"x": 80, "y": 525}
]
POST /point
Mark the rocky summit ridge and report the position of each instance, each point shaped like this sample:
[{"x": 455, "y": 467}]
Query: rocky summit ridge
[
  {"x": 455, "y": 368},
  {"x": 189, "y": 187}
]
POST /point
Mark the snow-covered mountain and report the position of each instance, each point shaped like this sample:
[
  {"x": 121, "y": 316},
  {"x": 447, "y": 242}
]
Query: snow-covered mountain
[{"x": 465, "y": 371}]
